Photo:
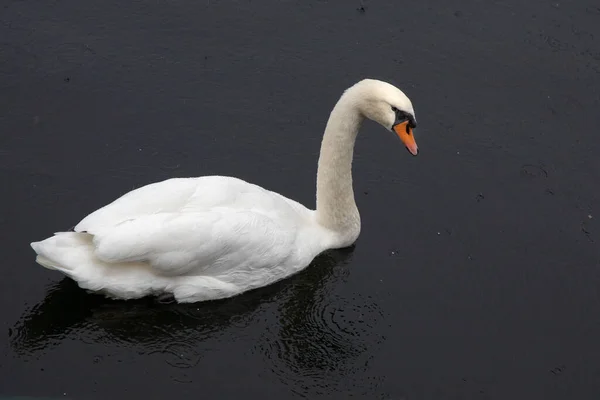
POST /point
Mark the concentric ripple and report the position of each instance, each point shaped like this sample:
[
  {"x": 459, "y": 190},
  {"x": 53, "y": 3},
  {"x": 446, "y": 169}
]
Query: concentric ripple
[
  {"x": 179, "y": 355},
  {"x": 323, "y": 340}
]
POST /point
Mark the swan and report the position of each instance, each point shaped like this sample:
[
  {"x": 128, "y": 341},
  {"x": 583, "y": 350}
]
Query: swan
[{"x": 213, "y": 237}]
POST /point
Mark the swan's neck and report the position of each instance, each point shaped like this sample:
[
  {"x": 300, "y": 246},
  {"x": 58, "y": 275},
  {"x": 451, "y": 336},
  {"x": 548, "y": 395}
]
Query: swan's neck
[{"x": 336, "y": 208}]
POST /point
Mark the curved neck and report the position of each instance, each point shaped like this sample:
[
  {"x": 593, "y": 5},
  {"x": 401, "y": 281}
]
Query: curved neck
[{"x": 336, "y": 208}]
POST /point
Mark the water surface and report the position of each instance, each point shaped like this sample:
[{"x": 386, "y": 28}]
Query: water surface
[{"x": 477, "y": 271}]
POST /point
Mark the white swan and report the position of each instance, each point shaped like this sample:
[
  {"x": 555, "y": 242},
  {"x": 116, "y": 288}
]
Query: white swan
[{"x": 213, "y": 237}]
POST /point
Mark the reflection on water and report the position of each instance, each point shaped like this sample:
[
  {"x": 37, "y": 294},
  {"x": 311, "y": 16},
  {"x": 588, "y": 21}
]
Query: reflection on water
[{"x": 304, "y": 329}]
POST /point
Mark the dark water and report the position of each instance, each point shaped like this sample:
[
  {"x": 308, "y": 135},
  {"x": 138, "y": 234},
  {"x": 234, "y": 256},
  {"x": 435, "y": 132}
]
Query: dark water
[{"x": 477, "y": 273}]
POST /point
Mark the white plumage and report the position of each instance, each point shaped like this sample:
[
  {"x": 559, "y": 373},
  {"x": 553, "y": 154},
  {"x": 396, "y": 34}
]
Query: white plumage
[{"x": 214, "y": 237}]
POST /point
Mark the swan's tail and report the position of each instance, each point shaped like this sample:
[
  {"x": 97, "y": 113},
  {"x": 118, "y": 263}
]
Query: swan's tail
[
  {"x": 72, "y": 253},
  {"x": 64, "y": 251}
]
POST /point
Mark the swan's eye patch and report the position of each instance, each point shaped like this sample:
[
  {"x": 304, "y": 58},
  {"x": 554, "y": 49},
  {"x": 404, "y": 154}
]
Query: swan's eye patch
[{"x": 402, "y": 116}]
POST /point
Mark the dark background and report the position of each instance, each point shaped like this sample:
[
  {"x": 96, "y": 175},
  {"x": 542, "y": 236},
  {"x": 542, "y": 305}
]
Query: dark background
[{"x": 476, "y": 275}]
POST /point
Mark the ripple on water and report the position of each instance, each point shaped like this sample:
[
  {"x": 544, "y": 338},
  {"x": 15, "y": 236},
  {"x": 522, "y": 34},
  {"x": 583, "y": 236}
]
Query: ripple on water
[
  {"x": 324, "y": 343},
  {"x": 533, "y": 171},
  {"x": 179, "y": 355}
]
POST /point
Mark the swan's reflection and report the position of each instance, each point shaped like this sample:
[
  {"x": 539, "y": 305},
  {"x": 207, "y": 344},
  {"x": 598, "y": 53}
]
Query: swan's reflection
[{"x": 305, "y": 328}]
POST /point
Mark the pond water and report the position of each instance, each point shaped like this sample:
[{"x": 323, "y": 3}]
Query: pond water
[{"x": 477, "y": 271}]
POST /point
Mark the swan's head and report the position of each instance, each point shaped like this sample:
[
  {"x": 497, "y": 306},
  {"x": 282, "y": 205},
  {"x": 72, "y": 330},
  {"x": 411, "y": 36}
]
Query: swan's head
[{"x": 389, "y": 106}]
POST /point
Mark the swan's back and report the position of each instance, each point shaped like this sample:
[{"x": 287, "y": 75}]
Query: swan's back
[{"x": 189, "y": 195}]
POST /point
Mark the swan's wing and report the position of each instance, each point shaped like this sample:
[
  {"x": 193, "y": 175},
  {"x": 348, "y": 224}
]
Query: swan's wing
[
  {"x": 199, "y": 243},
  {"x": 182, "y": 195}
]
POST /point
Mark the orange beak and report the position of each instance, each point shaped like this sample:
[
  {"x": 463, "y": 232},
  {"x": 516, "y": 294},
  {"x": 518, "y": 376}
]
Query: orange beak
[{"x": 405, "y": 134}]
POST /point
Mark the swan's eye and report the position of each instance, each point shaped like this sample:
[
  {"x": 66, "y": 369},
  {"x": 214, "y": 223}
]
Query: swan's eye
[{"x": 394, "y": 109}]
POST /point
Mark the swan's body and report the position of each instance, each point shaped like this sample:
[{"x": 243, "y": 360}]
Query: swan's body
[{"x": 214, "y": 237}]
